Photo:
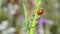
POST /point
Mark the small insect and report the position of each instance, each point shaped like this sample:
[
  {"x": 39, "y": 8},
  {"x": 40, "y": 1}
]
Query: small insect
[{"x": 40, "y": 11}]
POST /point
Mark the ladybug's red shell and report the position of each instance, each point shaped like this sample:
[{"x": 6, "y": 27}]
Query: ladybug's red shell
[{"x": 40, "y": 11}]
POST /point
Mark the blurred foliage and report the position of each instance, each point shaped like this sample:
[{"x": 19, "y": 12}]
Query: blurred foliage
[
  {"x": 53, "y": 29},
  {"x": 3, "y": 16},
  {"x": 48, "y": 6}
]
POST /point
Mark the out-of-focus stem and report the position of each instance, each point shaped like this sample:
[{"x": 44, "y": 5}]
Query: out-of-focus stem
[
  {"x": 23, "y": 6},
  {"x": 26, "y": 15}
]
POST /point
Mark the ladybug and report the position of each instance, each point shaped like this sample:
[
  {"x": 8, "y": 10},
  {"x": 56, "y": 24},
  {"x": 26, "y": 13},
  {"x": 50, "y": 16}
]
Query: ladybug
[{"x": 40, "y": 11}]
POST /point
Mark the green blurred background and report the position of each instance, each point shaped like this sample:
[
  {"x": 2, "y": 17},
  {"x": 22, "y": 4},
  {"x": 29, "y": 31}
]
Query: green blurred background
[{"x": 51, "y": 11}]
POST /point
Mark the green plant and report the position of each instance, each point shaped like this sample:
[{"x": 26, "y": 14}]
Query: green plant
[
  {"x": 34, "y": 23},
  {"x": 26, "y": 16}
]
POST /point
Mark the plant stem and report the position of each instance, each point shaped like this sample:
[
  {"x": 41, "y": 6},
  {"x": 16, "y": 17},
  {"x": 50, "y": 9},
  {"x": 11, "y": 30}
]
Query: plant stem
[
  {"x": 26, "y": 16},
  {"x": 33, "y": 27}
]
